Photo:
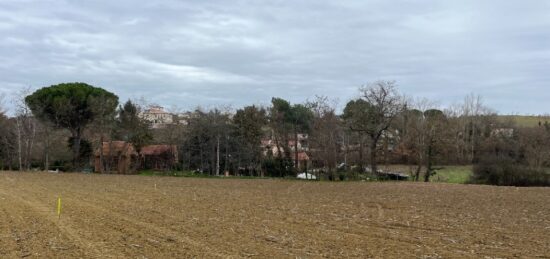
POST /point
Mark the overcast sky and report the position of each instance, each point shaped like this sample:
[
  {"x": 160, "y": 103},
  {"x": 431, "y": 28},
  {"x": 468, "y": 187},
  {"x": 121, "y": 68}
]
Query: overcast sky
[{"x": 208, "y": 52}]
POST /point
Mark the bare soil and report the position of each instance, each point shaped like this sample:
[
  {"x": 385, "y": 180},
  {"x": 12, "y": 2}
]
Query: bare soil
[{"x": 112, "y": 216}]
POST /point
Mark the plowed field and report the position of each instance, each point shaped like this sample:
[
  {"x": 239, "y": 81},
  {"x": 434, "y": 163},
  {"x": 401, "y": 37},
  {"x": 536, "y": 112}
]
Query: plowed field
[{"x": 110, "y": 216}]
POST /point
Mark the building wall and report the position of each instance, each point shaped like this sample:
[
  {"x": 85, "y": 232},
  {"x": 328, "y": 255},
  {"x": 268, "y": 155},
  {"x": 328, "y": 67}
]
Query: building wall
[
  {"x": 121, "y": 166},
  {"x": 157, "y": 116}
]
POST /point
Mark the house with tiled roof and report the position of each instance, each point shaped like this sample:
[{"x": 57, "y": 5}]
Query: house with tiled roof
[
  {"x": 157, "y": 116},
  {"x": 122, "y": 157}
]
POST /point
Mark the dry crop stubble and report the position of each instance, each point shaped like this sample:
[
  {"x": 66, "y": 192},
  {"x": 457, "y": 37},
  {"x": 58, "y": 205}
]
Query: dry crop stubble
[{"x": 113, "y": 216}]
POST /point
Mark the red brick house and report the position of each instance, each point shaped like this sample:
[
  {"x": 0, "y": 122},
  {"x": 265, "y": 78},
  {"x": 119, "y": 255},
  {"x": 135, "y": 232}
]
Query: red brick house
[
  {"x": 118, "y": 157},
  {"x": 159, "y": 157},
  {"x": 122, "y": 158}
]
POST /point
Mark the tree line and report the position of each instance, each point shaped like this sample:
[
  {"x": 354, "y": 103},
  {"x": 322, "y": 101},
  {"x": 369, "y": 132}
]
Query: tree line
[{"x": 60, "y": 126}]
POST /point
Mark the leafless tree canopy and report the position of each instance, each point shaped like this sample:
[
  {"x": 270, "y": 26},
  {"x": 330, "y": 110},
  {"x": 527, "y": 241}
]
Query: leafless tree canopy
[{"x": 385, "y": 101}]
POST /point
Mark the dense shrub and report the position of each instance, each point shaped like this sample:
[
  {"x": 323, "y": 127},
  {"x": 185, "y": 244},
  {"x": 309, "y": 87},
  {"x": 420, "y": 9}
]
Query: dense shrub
[
  {"x": 502, "y": 161},
  {"x": 278, "y": 167},
  {"x": 497, "y": 172}
]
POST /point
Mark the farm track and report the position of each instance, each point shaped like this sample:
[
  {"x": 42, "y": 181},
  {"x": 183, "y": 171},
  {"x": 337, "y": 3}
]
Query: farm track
[{"x": 111, "y": 216}]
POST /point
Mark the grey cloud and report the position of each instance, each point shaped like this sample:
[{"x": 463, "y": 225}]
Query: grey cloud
[{"x": 190, "y": 53}]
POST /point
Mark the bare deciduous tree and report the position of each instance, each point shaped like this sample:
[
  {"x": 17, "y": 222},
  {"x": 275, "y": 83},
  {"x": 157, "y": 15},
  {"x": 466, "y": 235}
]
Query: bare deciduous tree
[
  {"x": 374, "y": 113},
  {"x": 326, "y": 133},
  {"x": 25, "y": 129}
]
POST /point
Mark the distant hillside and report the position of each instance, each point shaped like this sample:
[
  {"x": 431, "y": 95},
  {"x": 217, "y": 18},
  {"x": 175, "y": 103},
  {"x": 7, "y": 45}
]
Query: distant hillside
[{"x": 524, "y": 121}]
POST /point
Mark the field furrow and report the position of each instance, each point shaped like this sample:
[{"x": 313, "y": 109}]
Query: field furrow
[{"x": 113, "y": 216}]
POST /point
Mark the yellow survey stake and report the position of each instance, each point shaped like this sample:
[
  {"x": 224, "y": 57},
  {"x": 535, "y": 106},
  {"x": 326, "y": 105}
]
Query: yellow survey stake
[{"x": 59, "y": 207}]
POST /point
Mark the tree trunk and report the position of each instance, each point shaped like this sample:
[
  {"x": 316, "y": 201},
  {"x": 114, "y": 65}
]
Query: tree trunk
[
  {"x": 345, "y": 153},
  {"x": 361, "y": 169},
  {"x": 47, "y": 152},
  {"x": 201, "y": 154},
  {"x": 473, "y": 143},
  {"x": 417, "y": 173},
  {"x": 373, "y": 156},
  {"x": 101, "y": 157},
  {"x": 19, "y": 146},
  {"x": 30, "y": 145},
  {"x": 218, "y": 156},
  {"x": 76, "y": 148},
  {"x": 428, "y": 164},
  {"x": 280, "y": 156},
  {"x": 296, "y": 162},
  {"x": 226, "y": 163}
]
